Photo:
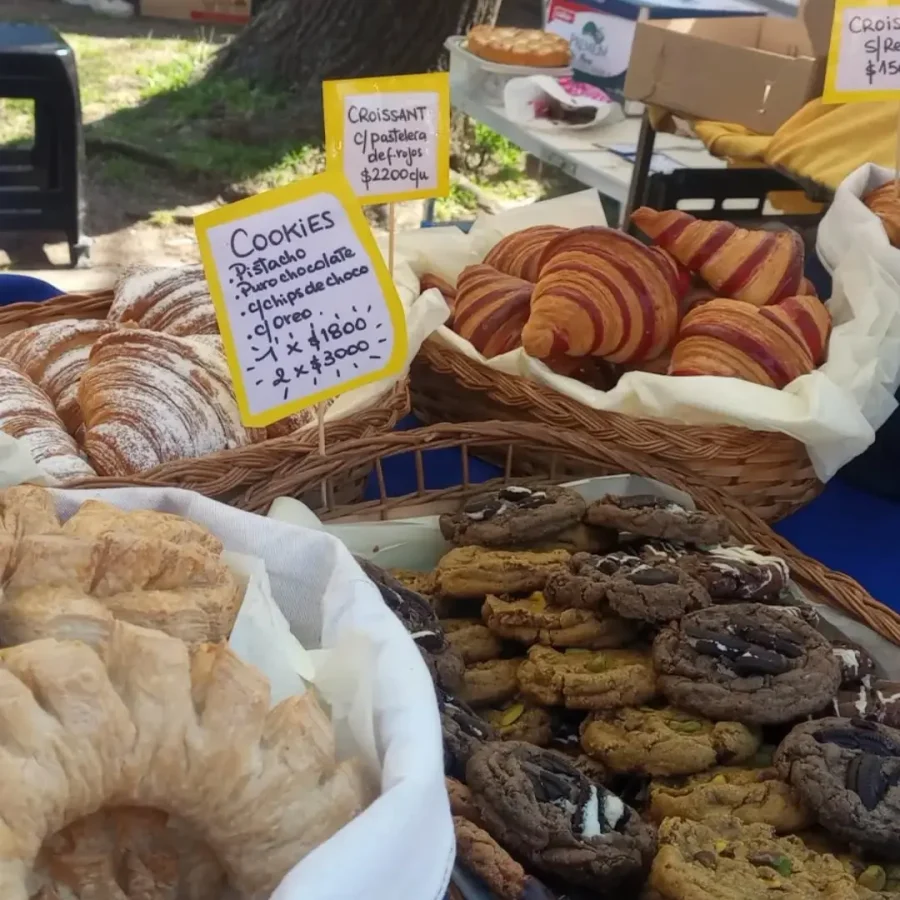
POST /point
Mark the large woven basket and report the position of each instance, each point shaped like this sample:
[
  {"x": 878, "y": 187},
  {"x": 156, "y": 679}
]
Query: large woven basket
[
  {"x": 769, "y": 472},
  {"x": 233, "y": 476},
  {"x": 521, "y": 445}
]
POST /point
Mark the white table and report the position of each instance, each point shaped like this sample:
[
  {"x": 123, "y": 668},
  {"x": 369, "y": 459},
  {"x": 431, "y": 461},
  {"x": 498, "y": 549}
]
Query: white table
[{"x": 583, "y": 154}]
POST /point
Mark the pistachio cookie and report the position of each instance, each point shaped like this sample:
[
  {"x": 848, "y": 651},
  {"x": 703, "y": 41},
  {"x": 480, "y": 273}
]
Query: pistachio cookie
[
  {"x": 491, "y": 682},
  {"x": 664, "y": 741},
  {"x": 474, "y": 572},
  {"x": 751, "y": 795},
  {"x": 657, "y": 517},
  {"x": 520, "y": 721},
  {"x": 748, "y": 662},
  {"x": 722, "y": 859},
  {"x": 534, "y": 621},
  {"x": 848, "y": 772},
  {"x": 514, "y": 516},
  {"x": 544, "y": 810},
  {"x": 472, "y": 640},
  {"x": 581, "y": 679}
]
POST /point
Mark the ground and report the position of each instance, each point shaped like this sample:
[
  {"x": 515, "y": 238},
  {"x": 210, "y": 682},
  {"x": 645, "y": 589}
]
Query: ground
[{"x": 165, "y": 142}]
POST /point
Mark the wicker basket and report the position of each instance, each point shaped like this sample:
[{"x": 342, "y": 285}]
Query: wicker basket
[
  {"x": 557, "y": 451},
  {"x": 767, "y": 471},
  {"x": 233, "y": 476}
]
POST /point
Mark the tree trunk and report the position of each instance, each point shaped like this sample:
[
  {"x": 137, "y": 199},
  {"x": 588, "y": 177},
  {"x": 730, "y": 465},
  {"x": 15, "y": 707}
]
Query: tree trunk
[{"x": 298, "y": 44}]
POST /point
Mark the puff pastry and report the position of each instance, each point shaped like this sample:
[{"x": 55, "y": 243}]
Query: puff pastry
[
  {"x": 151, "y": 725},
  {"x": 885, "y": 203},
  {"x": 27, "y": 509}
]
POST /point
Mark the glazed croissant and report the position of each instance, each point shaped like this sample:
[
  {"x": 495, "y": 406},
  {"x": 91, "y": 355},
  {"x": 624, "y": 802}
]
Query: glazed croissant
[
  {"x": 519, "y": 254},
  {"x": 490, "y": 309},
  {"x": 602, "y": 293},
  {"x": 152, "y": 725},
  {"x": 759, "y": 267},
  {"x": 885, "y": 203},
  {"x": 769, "y": 345}
]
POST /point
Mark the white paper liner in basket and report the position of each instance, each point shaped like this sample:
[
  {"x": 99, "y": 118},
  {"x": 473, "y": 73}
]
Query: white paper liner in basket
[{"x": 833, "y": 411}]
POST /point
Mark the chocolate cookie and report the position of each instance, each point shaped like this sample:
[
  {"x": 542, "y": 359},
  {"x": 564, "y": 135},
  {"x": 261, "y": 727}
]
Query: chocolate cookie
[
  {"x": 540, "y": 806},
  {"x": 475, "y": 572},
  {"x": 491, "y": 682},
  {"x": 520, "y": 721},
  {"x": 580, "y": 679},
  {"x": 514, "y": 516},
  {"x": 483, "y": 856},
  {"x": 534, "y": 621},
  {"x": 583, "y": 584},
  {"x": 848, "y": 772},
  {"x": 464, "y": 732},
  {"x": 580, "y": 538},
  {"x": 655, "y": 593},
  {"x": 856, "y": 663},
  {"x": 723, "y": 859},
  {"x": 751, "y": 795},
  {"x": 664, "y": 741},
  {"x": 472, "y": 640},
  {"x": 748, "y": 662},
  {"x": 878, "y": 701},
  {"x": 738, "y": 573},
  {"x": 659, "y": 518}
]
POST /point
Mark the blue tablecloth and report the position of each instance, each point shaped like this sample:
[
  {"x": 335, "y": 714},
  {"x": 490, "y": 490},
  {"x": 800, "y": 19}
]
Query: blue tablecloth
[{"x": 845, "y": 528}]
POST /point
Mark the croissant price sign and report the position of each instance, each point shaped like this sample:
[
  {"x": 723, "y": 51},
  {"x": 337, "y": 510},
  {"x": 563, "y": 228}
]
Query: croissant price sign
[
  {"x": 304, "y": 301},
  {"x": 864, "y": 54},
  {"x": 390, "y": 136}
]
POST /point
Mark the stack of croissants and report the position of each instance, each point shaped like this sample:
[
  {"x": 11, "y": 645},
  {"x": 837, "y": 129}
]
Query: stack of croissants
[
  {"x": 140, "y": 758},
  {"x": 707, "y": 298},
  {"x": 118, "y": 396}
]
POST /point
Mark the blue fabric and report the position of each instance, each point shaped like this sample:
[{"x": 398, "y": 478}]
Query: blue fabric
[
  {"x": 25, "y": 289},
  {"x": 844, "y": 528}
]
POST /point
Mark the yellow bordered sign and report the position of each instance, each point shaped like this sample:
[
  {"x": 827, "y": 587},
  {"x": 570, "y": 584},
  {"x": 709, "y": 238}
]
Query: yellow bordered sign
[
  {"x": 304, "y": 301},
  {"x": 864, "y": 53},
  {"x": 390, "y": 136}
]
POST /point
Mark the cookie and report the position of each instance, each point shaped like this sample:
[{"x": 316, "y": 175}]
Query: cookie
[
  {"x": 580, "y": 538},
  {"x": 520, "y": 721},
  {"x": 475, "y": 572},
  {"x": 751, "y": 795},
  {"x": 580, "y": 679},
  {"x": 484, "y": 857},
  {"x": 876, "y": 700},
  {"x": 655, "y": 593},
  {"x": 461, "y": 802},
  {"x": 583, "y": 584},
  {"x": 722, "y": 859},
  {"x": 848, "y": 772},
  {"x": 856, "y": 663},
  {"x": 421, "y": 582},
  {"x": 870, "y": 872},
  {"x": 748, "y": 662},
  {"x": 664, "y": 741},
  {"x": 489, "y": 683},
  {"x": 534, "y": 621},
  {"x": 545, "y": 811},
  {"x": 659, "y": 518},
  {"x": 513, "y": 516},
  {"x": 737, "y": 573},
  {"x": 464, "y": 731},
  {"x": 472, "y": 640}
]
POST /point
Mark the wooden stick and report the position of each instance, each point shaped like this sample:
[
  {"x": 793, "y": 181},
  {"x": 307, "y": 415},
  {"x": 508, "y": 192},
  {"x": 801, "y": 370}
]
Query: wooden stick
[
  {"x": 897, "y": 160},
  {"x": 320, "y": 420},
  {"x": 392, "y": 228}
]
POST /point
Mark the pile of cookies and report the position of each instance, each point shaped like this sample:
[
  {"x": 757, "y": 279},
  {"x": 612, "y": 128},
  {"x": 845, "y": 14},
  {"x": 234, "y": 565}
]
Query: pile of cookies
[{"x": 631, "y": 701}]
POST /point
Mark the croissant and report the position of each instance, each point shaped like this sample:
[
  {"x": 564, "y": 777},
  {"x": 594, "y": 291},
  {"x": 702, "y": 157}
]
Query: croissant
[
  {"x": 430, "y": 280},
  {"x": 885, "y": 203},
  {"x": 168, "y": 299},
  {"x": 770, "y": 345},
  {"x": 27, "y": 413},
  {"x": 519, "y": 254},
  {"x": 151, "y": 725},
  {"x": 490, "y": 309},
  {"x": 759, "y": 267},
  {"x": 602, "y": 293},
  {"x": 27, "y": 509},
  {"x": 54, "y": 355}
]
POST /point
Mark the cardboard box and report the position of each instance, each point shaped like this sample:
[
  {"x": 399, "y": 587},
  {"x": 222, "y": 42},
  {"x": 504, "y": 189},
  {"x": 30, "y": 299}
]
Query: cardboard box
[
  {"x": 756, "y": 72},
  {"x": 223, "y": 12},
  {"x": 601, "y": 32}
]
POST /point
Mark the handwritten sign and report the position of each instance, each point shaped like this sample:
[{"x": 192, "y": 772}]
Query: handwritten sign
[
  {"x": 864, "y": 55},
  {"x": 390, "y": 136},
  {"x": 305, "y": 304}
]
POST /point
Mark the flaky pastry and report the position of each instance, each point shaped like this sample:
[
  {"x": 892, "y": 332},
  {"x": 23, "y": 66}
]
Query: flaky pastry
[{"x": 27, "y": 509}]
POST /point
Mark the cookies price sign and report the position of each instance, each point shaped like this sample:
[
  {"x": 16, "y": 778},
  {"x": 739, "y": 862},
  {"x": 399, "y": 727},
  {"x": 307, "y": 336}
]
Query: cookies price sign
[
  {"x": 390, "y": 136},
  {"x": 305, "y": 304},
  {"x": 864, "y": 54}
]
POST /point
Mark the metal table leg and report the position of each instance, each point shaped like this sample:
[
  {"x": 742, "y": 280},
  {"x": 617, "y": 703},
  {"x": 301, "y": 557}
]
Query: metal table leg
[{"x": 643, "y": 156}]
